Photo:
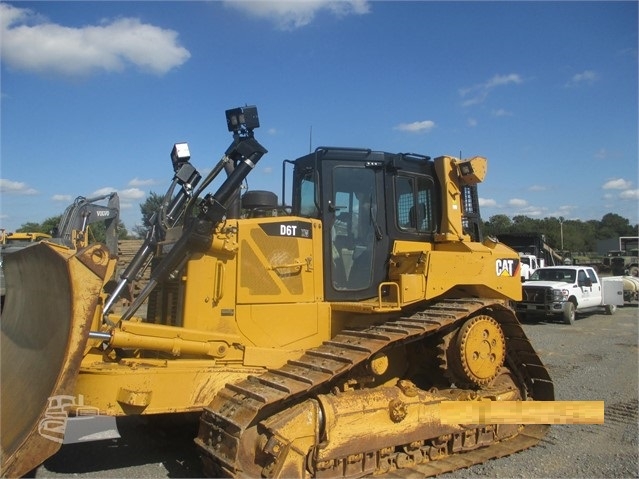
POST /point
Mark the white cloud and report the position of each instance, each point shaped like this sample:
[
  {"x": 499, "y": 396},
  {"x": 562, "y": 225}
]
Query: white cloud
[
  {"x": 586, "y": 77},
  {"x": 533, "y": 211},
  {"x": 487, "y": 202},
  {"x": 629, "y": 194},
  {"x": 566, "y": 208},
  {"x": 33, "y": 44},
  {"x": 124, "y": 195},
  {"x": 288, "y": 15},
  {"x": 502, "y": 112},
  {"x": 478, "y": 93},
  {"x": 616, "y": 184},
  {"x": 137, "y": 182},
  {"x": 563, "y": 210},
  {"x": 62, "y": 198},
  {"x": 416, "y": 126},
  {"x": 519, "y": 203},
  {"x": 9, "y": 187},
  {"x": 499, "y": 80},
  {"x": 472, "y": 122},
  {"x": 131, "y": 194},
  {"x": 104, "y": 191},
  {"x": 537, "y": 188},
  {"x": 601, "y": 154}
]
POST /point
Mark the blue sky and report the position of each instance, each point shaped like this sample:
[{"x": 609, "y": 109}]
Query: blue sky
[{"x": 94, "y": 94}]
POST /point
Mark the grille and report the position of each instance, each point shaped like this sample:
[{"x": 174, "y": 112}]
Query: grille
[
  {"x": 164, "y": 304},
  {"x": 537, "y": 295},
  {"x": 618, "y": 261}
]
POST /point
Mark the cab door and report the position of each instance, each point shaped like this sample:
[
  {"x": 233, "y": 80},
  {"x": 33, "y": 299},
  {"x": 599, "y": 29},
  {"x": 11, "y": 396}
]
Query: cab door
[
  {"x": 356, "y": 242},
  {"x": 590, "y": 296},
  {"x": 595, "y": 292}
]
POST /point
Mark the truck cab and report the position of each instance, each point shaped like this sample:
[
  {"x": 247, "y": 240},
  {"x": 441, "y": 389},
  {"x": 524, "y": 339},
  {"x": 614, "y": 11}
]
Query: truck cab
[{"x": 529, "y": 264}]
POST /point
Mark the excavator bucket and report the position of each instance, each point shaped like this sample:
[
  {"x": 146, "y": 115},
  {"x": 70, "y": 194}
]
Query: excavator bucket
[{"x": 51, "y": 298}]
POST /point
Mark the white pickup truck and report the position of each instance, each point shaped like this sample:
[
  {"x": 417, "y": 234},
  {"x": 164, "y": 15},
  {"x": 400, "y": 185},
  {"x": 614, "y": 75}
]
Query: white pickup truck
[{"x": 568, "y": 290}]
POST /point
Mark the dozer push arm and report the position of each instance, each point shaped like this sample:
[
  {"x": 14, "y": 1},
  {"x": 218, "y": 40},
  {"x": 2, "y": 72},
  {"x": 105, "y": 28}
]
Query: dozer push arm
[
  {"x": 187, "y": 177},
  {"x": 245, "y": 151}
]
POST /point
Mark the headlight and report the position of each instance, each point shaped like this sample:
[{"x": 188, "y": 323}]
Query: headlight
[{"x": 559, "y": 294}]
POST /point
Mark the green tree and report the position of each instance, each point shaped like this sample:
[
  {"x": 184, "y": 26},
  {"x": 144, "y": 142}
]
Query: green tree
[
  {"x": 497, "y": 224},
  {"x": 523, "y": 224},
  {"x": 151, "y": 205},
  {"x": 583, "y": 234},
  {"x": 612, "y": 225},
  {"x": 50, "y": 223},
  {"x": 578, "y": 236},
  {"x": 31, "y": 227},
  {"x": 97, "y": 231}
]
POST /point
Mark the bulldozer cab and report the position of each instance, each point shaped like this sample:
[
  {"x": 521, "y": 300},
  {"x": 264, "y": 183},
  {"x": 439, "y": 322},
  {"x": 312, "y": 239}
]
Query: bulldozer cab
[{"x": 365, "y": 200}]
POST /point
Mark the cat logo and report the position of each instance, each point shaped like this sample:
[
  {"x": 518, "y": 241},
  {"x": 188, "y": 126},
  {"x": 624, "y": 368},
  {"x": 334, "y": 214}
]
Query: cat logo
[{"x": 507, "y": 267}]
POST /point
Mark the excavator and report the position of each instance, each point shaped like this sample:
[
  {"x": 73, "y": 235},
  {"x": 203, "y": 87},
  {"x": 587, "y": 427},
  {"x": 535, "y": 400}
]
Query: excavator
[
  {"x": 316, "y": 336},
  {"x": 73, "y": 229}
]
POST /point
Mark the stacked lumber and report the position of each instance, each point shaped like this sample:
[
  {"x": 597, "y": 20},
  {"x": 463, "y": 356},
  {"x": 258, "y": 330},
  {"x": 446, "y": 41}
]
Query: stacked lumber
[{"x": 126, "y": 251}]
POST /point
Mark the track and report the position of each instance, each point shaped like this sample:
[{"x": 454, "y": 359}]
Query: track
[{"x": 239, "y": 407}]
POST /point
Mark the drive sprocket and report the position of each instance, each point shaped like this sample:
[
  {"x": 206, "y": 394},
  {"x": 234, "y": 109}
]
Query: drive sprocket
[{"x": 475, "y": 353}]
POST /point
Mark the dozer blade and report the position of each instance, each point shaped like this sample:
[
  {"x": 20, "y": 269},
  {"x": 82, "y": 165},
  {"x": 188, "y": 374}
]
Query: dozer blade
[{"x": 51, "y": 298}]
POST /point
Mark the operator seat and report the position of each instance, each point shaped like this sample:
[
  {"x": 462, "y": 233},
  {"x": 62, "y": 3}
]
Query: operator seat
[
  {"x": 340, "y": 270},
  {"x": 417, "y": 214}
]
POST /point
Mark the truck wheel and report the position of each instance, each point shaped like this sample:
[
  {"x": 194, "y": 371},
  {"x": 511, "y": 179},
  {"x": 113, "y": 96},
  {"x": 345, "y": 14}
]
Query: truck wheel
[
  {"x": 569, "y": 313},
  {"x": 610, "y": 308}
]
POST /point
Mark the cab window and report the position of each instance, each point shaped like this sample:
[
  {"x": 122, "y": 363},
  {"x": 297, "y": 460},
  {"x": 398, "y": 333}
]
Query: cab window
[
  {"x": 582, "y": 278},
  {"x": 308, "y": 195},
  {"x": 414, "y": 201}
]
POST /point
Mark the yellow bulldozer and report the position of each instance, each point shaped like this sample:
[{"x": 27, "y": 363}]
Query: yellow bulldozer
[{"x": 317, "y": 337}]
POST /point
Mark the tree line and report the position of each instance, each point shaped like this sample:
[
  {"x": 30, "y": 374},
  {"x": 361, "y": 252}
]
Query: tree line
[
  {"x": 561, "y": 233},
  {"x": 97, "y": 231},
  {"x": 577, "y": 235}
]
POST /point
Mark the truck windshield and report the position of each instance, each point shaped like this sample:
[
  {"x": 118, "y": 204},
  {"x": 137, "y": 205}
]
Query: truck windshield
[{"x": 565, "y": 275}]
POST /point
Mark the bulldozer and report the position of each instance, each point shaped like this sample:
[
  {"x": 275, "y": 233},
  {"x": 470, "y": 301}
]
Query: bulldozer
[{"x": 316, "y": 336}]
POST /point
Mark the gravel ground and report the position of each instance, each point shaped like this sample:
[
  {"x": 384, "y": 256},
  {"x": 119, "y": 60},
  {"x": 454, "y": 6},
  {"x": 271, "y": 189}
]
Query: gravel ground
[{"x": 595, "y": 359}]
